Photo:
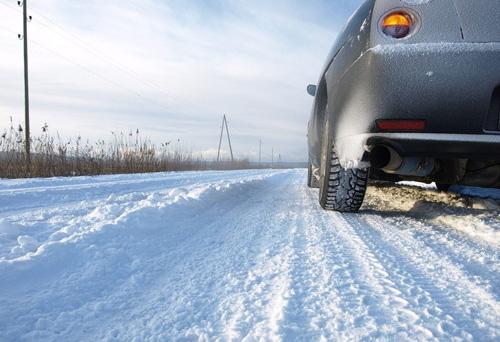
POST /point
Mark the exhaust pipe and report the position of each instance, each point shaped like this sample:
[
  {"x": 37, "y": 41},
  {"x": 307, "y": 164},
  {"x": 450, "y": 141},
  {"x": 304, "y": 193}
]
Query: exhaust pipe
[
  {"x": 380, "y": 157},
  {"x": 387, "y": 159}
]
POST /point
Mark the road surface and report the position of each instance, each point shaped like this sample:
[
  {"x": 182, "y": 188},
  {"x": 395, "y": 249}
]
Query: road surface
[{"x": 243, "y": 255}]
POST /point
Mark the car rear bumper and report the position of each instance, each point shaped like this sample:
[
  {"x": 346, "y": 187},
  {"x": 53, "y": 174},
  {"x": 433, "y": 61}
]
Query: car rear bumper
[
  {"x": 353, "y": 150},
  {"x": 439, "y": 145}
]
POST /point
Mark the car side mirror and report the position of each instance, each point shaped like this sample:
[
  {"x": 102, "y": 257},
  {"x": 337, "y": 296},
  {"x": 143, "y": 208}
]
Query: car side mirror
[{"x": 311, "y": 89}]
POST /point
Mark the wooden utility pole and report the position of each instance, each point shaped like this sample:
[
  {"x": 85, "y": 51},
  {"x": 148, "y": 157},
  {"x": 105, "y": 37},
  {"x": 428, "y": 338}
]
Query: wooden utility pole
[
  {"x": 26, "y": 88},
  {"x": 224, "y": 123}
]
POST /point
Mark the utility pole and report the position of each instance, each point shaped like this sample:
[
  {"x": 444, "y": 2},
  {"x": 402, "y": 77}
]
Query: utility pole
[
  {"x": 26, "y": 88},
  {"x": 229, "y": 140},
  {"x": 220, "y": 139},
  {"x": 224, "y": 122}
]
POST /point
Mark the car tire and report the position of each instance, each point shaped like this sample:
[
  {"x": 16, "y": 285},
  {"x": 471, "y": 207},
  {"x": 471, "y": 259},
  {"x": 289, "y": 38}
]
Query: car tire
[
  {"x": 312, "y": 182},
  {"x": 340, "y": 189}
]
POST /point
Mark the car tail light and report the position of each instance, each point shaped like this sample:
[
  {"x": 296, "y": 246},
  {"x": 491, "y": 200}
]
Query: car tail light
[
  {"x": 397, "y": 24},
  {"x": 401, "y": 125}
]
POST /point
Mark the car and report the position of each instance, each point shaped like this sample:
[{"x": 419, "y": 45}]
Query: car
[{"x": 409, "y": 91}]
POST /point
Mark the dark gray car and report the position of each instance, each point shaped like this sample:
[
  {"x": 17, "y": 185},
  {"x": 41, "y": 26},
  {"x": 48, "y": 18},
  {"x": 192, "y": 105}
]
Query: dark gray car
[{"x": 410, "y": 91}]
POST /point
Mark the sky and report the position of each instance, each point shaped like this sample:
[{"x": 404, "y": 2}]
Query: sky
[{"x": 171, "y": 68}]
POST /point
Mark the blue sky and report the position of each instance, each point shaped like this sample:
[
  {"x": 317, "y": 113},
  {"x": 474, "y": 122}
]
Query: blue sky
[{"x": 171, "y": 69}]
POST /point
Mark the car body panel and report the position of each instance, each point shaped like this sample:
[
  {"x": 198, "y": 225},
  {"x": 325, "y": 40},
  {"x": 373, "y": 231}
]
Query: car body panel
[{"x": 479, "y": 20}]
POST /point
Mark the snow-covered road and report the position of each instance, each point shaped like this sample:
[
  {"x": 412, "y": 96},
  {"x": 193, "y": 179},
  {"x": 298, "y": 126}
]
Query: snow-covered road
[{"x": 242, "y": 255}]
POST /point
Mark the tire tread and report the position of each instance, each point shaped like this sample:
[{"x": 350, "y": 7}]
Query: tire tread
[{"x": 346, "y": 187}]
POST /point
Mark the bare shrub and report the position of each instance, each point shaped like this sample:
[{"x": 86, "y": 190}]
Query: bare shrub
[{"x": 125, "y": 153}]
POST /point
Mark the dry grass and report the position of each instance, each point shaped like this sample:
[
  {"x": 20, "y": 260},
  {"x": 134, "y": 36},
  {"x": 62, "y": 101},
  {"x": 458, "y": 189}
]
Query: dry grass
[{"x": 125, "y": 153}]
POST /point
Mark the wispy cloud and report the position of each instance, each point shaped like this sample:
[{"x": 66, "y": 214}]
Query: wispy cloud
[{"x": 172, "y": 68}]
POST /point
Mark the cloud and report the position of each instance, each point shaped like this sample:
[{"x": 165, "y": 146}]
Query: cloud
[{"x": 172, "y": 68}]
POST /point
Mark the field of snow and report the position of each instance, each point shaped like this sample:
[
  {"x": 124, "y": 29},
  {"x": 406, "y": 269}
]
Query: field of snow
[{"x": 243, "y": 255}]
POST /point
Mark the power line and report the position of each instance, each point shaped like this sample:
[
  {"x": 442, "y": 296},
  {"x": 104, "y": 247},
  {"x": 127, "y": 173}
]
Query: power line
[
  {"x": 75, "y": 40},
  {"x": 8, "y": 29},
  {"x": 88, "y": 70},
  {"x": 96, "y": 74},
  {"x": 83, "y": 67},
  {"x": 15, "y": 9},
  {"x": 92, "y": 50}
]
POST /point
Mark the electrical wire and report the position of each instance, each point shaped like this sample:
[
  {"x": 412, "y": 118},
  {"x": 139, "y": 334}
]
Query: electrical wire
[
  {"x": 8, "y": 29},
  {"x": 16, "y": 9},
  {"x": 57, "y": 29},
  {"x": 90, "y": 71},
  {"x": 98, "y": 75},
  {"x": 51, "y": 25},
  {"x": 96, "y": 53}
]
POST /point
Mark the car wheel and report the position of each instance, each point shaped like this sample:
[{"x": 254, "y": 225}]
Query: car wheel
[
  {"x": 340, "y": 189},
  {"x": 312, "y": 181}
]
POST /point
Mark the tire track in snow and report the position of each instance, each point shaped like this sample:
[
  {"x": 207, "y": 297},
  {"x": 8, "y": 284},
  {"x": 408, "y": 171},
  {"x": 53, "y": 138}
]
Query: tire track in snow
[
  {"x": 479, "y": 263},
  {"x": 256, "y": 310},
  {"x": 419, "y": 302},
  {"x": 328, "y": 295},
  {"x": 387, "y": 290},
  {"x": 477, "y": 259},
  {"x": 340, "y": 290},
  {"x": 465, "y": 309}
]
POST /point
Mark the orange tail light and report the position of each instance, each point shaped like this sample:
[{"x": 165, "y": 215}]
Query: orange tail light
[{"x": 397, "y": 25}]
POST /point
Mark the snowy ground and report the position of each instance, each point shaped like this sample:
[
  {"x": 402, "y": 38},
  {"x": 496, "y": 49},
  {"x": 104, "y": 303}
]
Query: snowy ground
[{"x": 243, "y": 254}]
